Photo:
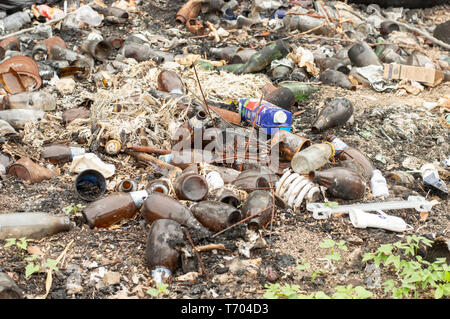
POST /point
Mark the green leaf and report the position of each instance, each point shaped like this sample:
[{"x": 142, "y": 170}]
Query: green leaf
[
  {"x": 10, "y": 242},
  {"x": 439, "y": 292},
  {"x": 154, "y": 292},
  {"x": 390, "y": 284},
  {"x": 386, "y": 249},
  {"x": 362, "y": 293},
  {"x": 332, "y": 204},
  {"x": 342, "y": 246},
  {"x": 31, "y": 268},
  {"x": 334, "y": 256},
  {"x": 321, "y": 295},
  {"x": 51, "y": 263},
  {"x": 327, "y": 243},
  {"x": 368, "y": 256},
  {"x": 31, "y": 258}
]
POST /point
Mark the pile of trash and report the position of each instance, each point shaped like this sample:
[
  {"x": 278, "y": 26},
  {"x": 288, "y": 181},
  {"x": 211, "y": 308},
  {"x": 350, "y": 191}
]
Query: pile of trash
[{"x": 214, "y": 131}]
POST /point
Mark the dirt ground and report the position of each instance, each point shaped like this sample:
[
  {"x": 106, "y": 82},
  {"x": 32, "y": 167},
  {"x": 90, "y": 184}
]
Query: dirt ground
[{"x": 414, "y": 134}]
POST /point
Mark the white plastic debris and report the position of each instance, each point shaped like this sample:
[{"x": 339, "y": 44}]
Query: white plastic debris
[{"x": 91, "y": 161}]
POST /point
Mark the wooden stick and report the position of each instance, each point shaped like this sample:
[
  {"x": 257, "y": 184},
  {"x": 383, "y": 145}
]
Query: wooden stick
[{"x": 210, "y": 247}]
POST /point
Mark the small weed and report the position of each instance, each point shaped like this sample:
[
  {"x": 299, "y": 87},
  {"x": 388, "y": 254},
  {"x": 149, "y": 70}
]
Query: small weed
[{"x": 161, "y": 288}]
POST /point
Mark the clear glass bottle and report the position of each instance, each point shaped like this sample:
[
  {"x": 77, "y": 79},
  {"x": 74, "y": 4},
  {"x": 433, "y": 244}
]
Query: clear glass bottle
[{"x": 312, "y": 158}]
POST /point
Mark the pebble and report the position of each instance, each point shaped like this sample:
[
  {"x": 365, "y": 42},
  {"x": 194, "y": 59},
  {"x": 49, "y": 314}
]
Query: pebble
[
  {"x": 373, "y": 279},
  {"x": 65, "y": 85},
  {"x": 111, "y": 278}
]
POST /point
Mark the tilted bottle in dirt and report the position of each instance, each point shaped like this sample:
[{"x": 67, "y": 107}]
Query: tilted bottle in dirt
[
  {"x": 61, "y": 153},
  {"x": 161, "y": 206},
  {"x": 260, "y": 202},
  {"x": 254, "y": 179},
  {"x": 343, "y": 152},
  {"x": 226, "y": 196},
  {"x": 301, "y": 90},
  {"x": 8, "y": 288},
  {"x": 332, "y": 64},
  {"x": 340, "y": 182},
  {"x": 191, "y": 186},
  {"x": 334, "y": 114},
  {"x": 127, "y": 185},
  {"x": 226, "y": 53},
  {"x": 282, "y": 97},
  {"x": 215, "y": 215},
  {"x": 169, "y": 81},
  {"x": 259, "y": 61},
  {"x": 111, "y": 209},
  {"x": 361, "y": 54},
  {"x": 39, "y": 100},
  {"x": 160, "y": 185},
  {"x": 332, "y": 77},
  {"x": 312, "y": 158},
  {"x": 161, "y": 253},
  {"x": 31, "y": 225}
]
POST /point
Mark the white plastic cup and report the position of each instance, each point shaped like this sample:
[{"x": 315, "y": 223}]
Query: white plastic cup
[
  {"x": 214, "y": 180},
  {"x": 88, "y": 15},
  {"x": 379, "y": 185},
  {"x": 361, "y": 219}
]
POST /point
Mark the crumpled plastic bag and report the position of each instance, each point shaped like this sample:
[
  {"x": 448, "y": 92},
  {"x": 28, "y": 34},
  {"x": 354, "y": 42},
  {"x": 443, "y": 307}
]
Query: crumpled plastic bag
[
  {"x": 304, "y": 58},
  {"x": 91, "y": 161},
  {"x": 374, "y": 74}
]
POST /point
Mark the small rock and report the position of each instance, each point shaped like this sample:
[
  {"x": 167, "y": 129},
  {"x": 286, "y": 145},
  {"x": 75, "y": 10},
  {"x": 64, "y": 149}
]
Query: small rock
[
  {"x": 73, "y": 283},
  {"x": 8, "y": 288},
  {"x": 190, "y": 276},
  {"x": 111, "y": 278},
  {"x": 355, "y": 260},
  {"x": 373, "y": 280},
  {"x": 65, "y": 85},
  {"x": 237, "y": 266}
]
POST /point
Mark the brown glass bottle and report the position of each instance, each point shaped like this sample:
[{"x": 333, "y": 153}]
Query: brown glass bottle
[
  {"x": 258, "y": 202},
  {"x": 191, "y": 186},
  {"x": 281, "y": 96},
  {"x": 61, "y": 153},
  {"x": 334, "y": 114},
  {"x": 253, "y": 179},
  {"x": 288, "y": 144},
  {"x": 161, "y": 254},
  {"x": 160, "y": 185},
  {"x": 333, "y": 77},
  {"x": 31, "y": 225},
  {"x": 215, "y": 215},
  {"x": 225, "y": 196},
  {"x": 161, "y": 206},
  {"x": 345, "y": 153},
  {"x": 109, "y": 210},
  {"x": 170, "y": 81},
  {"x": 340, "y": 182}
]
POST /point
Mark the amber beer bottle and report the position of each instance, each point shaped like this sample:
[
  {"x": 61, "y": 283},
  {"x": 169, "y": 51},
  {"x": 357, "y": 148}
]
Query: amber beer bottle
[
  {"x": 334, "y": 114},
  {"x": 162, "y": 255},
  {"x": 215, "y": 215},
  {"x": 340, "y": 182},
  {"x": 111, "y": 209},
  {"x": 61, "y": 153},
  {"x": 260, "y": 202},
  {"x": 169, "y": 81}
]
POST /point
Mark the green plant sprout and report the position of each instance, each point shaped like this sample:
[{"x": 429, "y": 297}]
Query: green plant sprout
[
  {"x": 20, "y": 243},
  {"x": 161, "y": 288},
  {"x": 415, "y": 276}
]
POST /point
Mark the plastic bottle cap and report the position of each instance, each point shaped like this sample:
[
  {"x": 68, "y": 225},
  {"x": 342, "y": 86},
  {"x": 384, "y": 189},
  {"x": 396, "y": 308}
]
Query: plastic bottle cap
[{"x": 279, "y": 117}]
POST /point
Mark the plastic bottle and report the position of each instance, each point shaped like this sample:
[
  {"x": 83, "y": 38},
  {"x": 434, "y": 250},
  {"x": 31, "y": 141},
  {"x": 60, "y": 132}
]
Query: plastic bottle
[
  {"x": 260, "y": 60},
  {"x": 31, "y": 225},
  {"x": 50, "y": 13},
  {"x": 334, "y": 114},
  {"x": 14, "y": 22},
  {"x": 432, "y": 181},
  {"x": 161, "y": 254},
  {"x": 161, "y": 206},
  {"x": 268, "y": 116},
  {"x": 312, "y": 158},
  {"x": 109, "y": 210},
  {"x": 38, "y": 100},
  {"x": 216, "y": 215},
  {"x": 89, "y": 16},
  {"x": 170, "y": 81},
  {"x": 61, "y": 153},
  {"x": 340, "y": 182},
  {"x": 19, "y": 117},
  {"x": 378, "y": 185}
]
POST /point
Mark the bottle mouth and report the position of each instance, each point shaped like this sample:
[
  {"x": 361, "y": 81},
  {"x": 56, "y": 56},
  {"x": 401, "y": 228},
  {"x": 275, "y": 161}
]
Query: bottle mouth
[
  {"x": 312, "y": 175},
  {"x": 234, "y": 217}
]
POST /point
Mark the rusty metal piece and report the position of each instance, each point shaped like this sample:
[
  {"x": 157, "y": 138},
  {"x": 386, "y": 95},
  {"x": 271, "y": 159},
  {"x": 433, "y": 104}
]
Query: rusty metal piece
[
  {"x": 42, "y": 48},
  {"x": 26, "y": 68},
  {"x": 195, "y": 27},
  {"x": 12, "y": 43},
  {"x": 28, "y": 170},
  {"x": 227, "y": 115},
  {"x": 190, "y": 10},
  {"x": 288, "y": 144},
  {"x": 149, "y": 149}
]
